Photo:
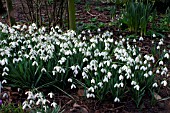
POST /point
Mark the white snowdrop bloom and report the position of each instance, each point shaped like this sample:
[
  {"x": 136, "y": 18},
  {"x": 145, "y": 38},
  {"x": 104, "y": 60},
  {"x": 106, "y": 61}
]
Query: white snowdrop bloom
[
  {"x": 43, "y": 70},
  {"x": 6, "y": 69},
  {"x": 44, "y": 101},
  {"x": 158, "y": 47},
  {"x": 116, "y": 99},
  {"x": 121, "y": 77},
  {"x": 150, "y": 73},
  {"x": 145, "y": 62},
  {"x": 57, "y": 68},
  {"x": 85, "y": 59},
  {"x": 153, "y": 35},
  {"x": 136, "y": 67},
  {"x": 157, "y": 71},
  {"x": 155, "y": 85},
  {"x": 141, "y": 38},
  {"x": 134, "y": 40},
  {"x": 103, "y": 70},
  {"x": 70, "y": 80},
  {"x": 73, "y": 86},
  {"x": 137, "y": 87},
  {"x": 88, "y": 95},
  {"x": 133, "y": 83},
  {"x": 92, "y": 95},
  {"x": 31, "y": 102},
  {"x": 4, "y": 73},
  {"x": 166, "y": 56},
  {"x": 91, "y": 89},
  {"x": 100, "y": 84},
  {"x": 92, "y": 81},
  {"x": 109, "y": 74},
  {"x": 121, "y": 84},
  {"x": 53, "y": 104},
  {"x": 34, "y": 63},
  {"x": 114, "y": 66},
  {"x": 146, "y": 75},
  {"x": 51, "y": 94},
  {"x": 116, "y": 85},
  {"x": 165, "y": 69},
  {"x": 161, "y": 62},
  {"x": 101, "y": 64},
  {"x": 38, "y": 101},
  {"x": 105, "y": 79},
  {"x": 164, "y": 83},
  {"x": 4, "y": 82},
  {"x": 2, "y": 62},
  {"x": 160, "y": 43},
  {"x": 25, "y": 105}
]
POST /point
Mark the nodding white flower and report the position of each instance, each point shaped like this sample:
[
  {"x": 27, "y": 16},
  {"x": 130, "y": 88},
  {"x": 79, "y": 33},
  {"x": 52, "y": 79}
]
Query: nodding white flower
[
  {"x": 153, "y": 35},
  {"x": 157, "y": 71},
  {"x": 70, "y": 80},
  {"x": 137, "y": 87},
  {"x": 6, "y": 69},
  {"x": 4, "y": 81},
  {"x": 121, "y": 84},
  {"x": 164, "y": 83},
  {"x": 34, "y": 63},
  {"x": 141, "y": 38},
  {"x": 121, "y": 77},
  {"x": 51, "y": 94},
  {"x": 92, "y": 81},
  {"x": 54, "y": 104},
  {"x": 155, "y": 85},
  {"x": 4, "y": 73},
  {"x": 116, "y": 85},
  {"x": 161, "y": 63},
  {"x": 116, "y": 99},
  {"x": 146, "y": 75},
  {"x": 158, "y": 47},
  {"x": 43, "y": 70},
  {"x": 166, "y": 56},
  {"x": 91, "y": 89},
  {"x": 25, "y": 104},
  {"x": 133, "y": 83},
  {"x": 73, "y": 86},
  {"x": 109, "y": 74},
  {"x": 100, "y": 84},
  {"x": 105, "y": 79},
  {"x": 150, "y": 73},
  {"x": 85, "y": 59}
]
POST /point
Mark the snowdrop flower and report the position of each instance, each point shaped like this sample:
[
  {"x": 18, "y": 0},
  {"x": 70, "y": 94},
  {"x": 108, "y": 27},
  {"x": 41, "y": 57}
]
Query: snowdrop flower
[
  {"x": 70, "y": 80},
  {"x": 116, "y": 99},
  {"x": 4, "y": 73},
  {"x": 155, "y": 85},
  {"x": 164, "y": 83},
  {"x": 157, "y": 71},
  {"x": 133, "y": 83},
  {"x": 166, "y": 56},
  {"x": 6, "y": 69},
  {"x": 85, "y": 59},
  {"x": 53, "y": 104},
  {"x": 43, "y": 70},
  {"x": 121, "y": 84},
  {"x": 109, "y": 74},
  {"x": 92, "y": 81},
  {"x": 141, "y": 38},
  {"x": 153, "y": 35},
  {"x": 34, "y": 63},
  {"x": 150, "y": 73},
  {"x": 116, "y": 85},
  {"x": 73, "y": 86},
  {"x": 51, "y": 94},
  {"x": 161, "y": 63},
  {"x": 4, "y": 81},
  {"x": 105, "y": 79},
  {"x": 158, "y": 47},
  {"x": 136, "y": 87},
  {"x": 100, "y": 84},
  {"x": 146, "y": 75},
  {"x": 121, "y": 77},
  {"x": 25, "y": 104},
  {"x": 91, "y": 89}
]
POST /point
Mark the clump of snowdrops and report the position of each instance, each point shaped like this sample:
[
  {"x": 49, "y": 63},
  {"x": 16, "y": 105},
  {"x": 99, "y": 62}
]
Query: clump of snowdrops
[{"x": 35, "y": 58}]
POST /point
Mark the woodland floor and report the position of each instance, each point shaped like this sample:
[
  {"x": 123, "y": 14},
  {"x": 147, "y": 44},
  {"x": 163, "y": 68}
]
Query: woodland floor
[{"x": 83, "y": 15}]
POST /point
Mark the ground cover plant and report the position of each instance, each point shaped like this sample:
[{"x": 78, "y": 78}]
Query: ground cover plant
[{"x": 42, "y": 62}]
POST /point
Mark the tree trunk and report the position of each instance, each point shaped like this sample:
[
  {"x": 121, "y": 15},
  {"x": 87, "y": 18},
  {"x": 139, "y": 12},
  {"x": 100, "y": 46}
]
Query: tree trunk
[
  {"x": 10, "y": 12},
  {"x": 72, "y": 17}
]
